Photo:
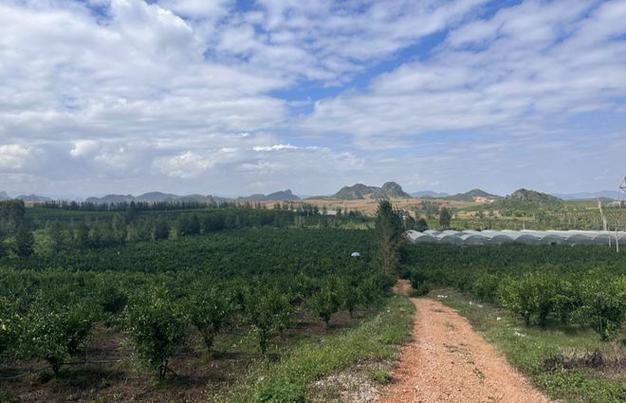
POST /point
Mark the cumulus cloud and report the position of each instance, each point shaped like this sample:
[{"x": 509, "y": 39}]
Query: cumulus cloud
[
  {"x": 525, "y": 68},
  {"x": 233, "y": 97},
  {"x": 190, "y": 164},
  {"x": 16, "y": 157}
]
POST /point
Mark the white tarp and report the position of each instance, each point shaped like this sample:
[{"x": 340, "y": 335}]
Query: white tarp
[{"x": 526, "y": 237}]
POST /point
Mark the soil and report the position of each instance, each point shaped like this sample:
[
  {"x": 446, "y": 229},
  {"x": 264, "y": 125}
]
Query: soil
[{"x": 448, "y": 361}]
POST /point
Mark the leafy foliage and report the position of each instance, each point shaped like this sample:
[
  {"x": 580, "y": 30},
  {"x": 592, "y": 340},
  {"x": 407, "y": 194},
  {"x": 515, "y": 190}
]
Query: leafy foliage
[
  {"x": 54, "y": 333},
  {"x": 157, "y": 326},
  {"x": 582, "y": 286},
  {"x": 389, "y": 230},
  {"x": 268, "y": 311}
]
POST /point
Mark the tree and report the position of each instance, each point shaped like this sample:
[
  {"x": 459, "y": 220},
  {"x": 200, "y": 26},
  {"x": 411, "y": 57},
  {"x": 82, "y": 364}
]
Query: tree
[
  {"x": 57, "y": 236},
  {"x": 24, "y": 242},
  {"x": 210, "y": 309},
  {"x": 421, "y": 225},
  {"x": 268, "y": 311},
  {"x": 327, "y": 300},
  {"x": 161, "y": 230},
  {"x": 156, "y": 326},
  {"x": 445, "y": 216},
  {"x": 12, "y": 214},
  {"x": 9, "y": 325},
  {"x": 81, "y": 236},
  {"x": 53, "y": 334},
  {"x": 389, "y": 232}
]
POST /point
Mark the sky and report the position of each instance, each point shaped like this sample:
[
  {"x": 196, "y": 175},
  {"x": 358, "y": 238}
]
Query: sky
[{"x": 232, "y": 97}]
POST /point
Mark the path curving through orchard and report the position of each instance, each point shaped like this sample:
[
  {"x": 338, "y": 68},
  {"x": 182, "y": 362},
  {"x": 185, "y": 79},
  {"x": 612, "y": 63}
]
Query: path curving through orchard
[{"x": 448, "y": 361}]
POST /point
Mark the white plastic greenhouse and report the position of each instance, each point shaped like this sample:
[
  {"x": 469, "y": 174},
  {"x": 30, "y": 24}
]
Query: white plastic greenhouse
[{"x": 526, "y": 237}]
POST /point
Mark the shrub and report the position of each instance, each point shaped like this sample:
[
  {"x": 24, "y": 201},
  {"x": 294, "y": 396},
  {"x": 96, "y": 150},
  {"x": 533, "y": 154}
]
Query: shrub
[
  {"x": 485, "y": 287},
  {"x": 24, "y": 242},
  {"x": 112, "y": 299},
  {"x": 156, "y": 326},
  {"x": 54, "y": 334},
  {"x": 327, "y": 300},
  {"x": 532, "y": 296},
  {"x": 603, "y": 305},
  {"x": 268, "y": 311},
  {"x": 209, "y": 309},
  {"x": 9, "y": 325}
]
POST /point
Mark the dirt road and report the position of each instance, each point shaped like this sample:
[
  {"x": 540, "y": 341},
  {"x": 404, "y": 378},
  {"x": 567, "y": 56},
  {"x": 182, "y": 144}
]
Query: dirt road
[{"x": 447, "y": 361}]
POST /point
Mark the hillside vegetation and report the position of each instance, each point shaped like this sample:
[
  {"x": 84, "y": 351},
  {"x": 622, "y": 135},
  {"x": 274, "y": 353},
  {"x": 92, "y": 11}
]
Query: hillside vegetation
[{"x": 389, "y": 190}]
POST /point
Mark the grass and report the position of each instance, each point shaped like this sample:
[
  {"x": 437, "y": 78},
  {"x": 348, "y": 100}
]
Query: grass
[
  {"x": 528, "y": 348},
  {"x": 375, "y": 340}
]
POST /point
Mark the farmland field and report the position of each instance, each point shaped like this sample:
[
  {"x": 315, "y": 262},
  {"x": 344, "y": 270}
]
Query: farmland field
[
  {"x": 557, "y": 312},
  {"x": 206, "y": 314}
]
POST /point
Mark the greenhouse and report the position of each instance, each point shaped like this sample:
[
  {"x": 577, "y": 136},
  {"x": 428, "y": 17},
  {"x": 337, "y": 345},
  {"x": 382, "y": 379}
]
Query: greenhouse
[{"x": 525, "y": 237}]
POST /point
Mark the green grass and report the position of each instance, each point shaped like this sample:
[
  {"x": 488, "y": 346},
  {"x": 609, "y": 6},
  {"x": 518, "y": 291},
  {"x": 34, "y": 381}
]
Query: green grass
[
  {"x": 375, "y": 340},
  {"x": 527, "y": 348}
]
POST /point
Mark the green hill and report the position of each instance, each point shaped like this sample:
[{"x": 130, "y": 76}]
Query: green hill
[{"x": 389, "y": 190}]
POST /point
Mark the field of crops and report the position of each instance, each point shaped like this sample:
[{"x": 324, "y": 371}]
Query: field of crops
[
  {"x": 170, "y": 307},
  {"x": 558, "y": 312}
]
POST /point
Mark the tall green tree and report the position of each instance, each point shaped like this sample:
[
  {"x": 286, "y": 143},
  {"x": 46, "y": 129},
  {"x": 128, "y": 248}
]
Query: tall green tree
[
  {"x": 445, "y": 217},
  {"x": 389, "y": 231},
  {"x": 161, "y": 230},
  {"x": 24, "y": 242},
  {"x": 12, "y": 214}
]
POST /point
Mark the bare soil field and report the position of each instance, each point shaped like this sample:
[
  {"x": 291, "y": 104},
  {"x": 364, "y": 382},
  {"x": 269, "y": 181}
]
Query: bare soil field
[{"x": 369, "y": 206}]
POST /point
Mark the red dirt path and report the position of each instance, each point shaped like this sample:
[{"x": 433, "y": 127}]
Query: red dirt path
[{"x": 448, "y": 361}]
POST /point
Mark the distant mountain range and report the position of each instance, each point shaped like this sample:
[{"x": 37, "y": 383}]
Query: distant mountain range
[
  {"x": 605, "y": 194},
  {"x": 525, "y": 198},
  {"x": 470, "y": 196},
  {"x": 283, "y": 195},
  {"x": 429, "y": 194},
  {"x": 526, "y": 195},
  {"x": 474, "y": 195},
  {"x": 34, "y": 198},
  {"x": 389, "y": 190},
  {"x": 27, "y": 198},
  {"x": 154, "y": 197}
]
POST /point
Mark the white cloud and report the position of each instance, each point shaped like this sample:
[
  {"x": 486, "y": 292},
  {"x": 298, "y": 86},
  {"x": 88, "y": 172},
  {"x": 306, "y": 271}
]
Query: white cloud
[
  {"x": 522, "y": 78},
  {"x": 16, "y": 157},
  {"x": 191, "y": 164},
  {"x": 198, "y": 9},
  {"x": 184, "y": 94},
  {"x": 140, "y": 73},
  {"x": 84, "y": 148}
]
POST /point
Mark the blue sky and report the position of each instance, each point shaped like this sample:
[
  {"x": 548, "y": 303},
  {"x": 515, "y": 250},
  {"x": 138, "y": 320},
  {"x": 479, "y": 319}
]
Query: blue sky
[{"x": 235, "y": 97}]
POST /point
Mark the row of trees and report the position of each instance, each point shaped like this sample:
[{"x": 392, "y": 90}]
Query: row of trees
[
  {"x": 582, "y": 286},
  {"x": 158, "y": 319}
]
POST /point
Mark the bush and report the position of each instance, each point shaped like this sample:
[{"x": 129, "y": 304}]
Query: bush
[
  {"x": 603, "y": 305},
  {"x": 54, "y": 334},
  {"x": 156, "y": 326},
  {"x": 268, "y": 311},
  {"x": 532, "y": 296},
  {"x": 486, "y": 287},
  {"x": 24, "y": 242},
  {"x": 327, "y": 300},
  {"x": 209, "y": 309},
  {"x": 9, "y": 325},
  {"x": 112, "y": 300}
]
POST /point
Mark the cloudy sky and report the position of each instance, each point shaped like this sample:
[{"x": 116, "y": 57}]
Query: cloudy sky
[{"x": 241, "y": 96}]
